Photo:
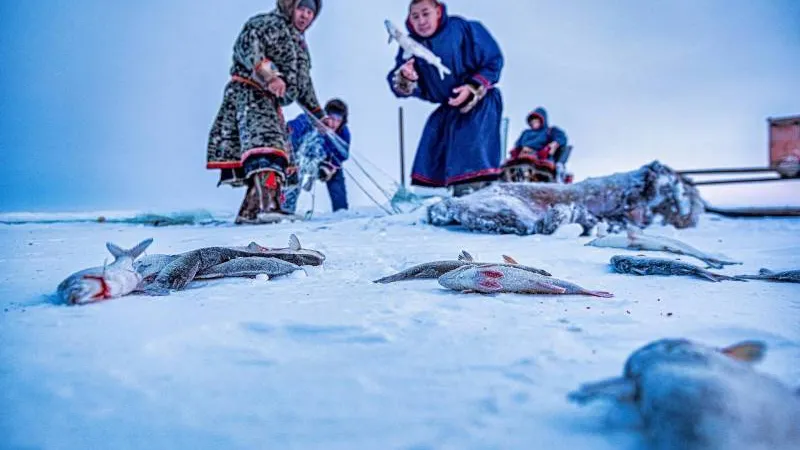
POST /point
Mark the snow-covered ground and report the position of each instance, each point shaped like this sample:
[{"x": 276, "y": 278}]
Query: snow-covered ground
[{"x": 333, "y": 361}]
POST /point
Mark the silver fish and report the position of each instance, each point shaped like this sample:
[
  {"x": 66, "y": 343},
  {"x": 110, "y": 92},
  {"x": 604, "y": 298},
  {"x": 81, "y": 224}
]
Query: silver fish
[
  {"x": 149, "y": 266},
  {"x": 493, "y": 278},
  {"x": 424, "y": 271},
  {"x": 162, "y": 273},
  {"x": 249, "y": 267},
  {"x": 295, "y": 253},
  {"x": 180, "y": 271},
  {"x": 637, "y": 240},
  {"x": 788, "y": 276},
  {"x": 413, "y": 48},
  {"x": 436, "y": 269},
  {"x": 691, "y": 396},
  {"x": 639, "y": 265},
  {"x": 102, "y": 283},
  {"x": 508, "y": 262}
]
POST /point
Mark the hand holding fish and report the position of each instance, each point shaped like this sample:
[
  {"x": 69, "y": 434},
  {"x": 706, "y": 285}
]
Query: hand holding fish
[
  {"x": 412, "y": 48},
  {"x": 408, "y": 72}
]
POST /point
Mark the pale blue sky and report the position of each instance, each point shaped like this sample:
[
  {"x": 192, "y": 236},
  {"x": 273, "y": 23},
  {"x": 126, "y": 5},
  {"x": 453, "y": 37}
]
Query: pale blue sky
[{"x": 107, "y": 105}]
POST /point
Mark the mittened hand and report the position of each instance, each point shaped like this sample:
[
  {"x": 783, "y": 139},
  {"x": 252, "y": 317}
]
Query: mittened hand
[
  {"x": 404, "y": 80},
  {"x": 276, "y": 86},
  {"x": 466, "y": 97},
  {"x": 543, "y": 153},
  {"x": 408, "y": 72},
  {"x": 461, "y": 94}
]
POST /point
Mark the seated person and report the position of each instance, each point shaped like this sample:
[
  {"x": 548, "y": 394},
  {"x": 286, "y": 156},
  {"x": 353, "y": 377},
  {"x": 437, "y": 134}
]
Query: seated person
[
  {"x": 322, "y": 153},
  {"x": 542, "y": 141}
]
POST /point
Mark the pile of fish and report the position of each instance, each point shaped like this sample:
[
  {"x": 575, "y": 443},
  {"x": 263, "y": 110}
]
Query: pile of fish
[
  {"x": 158, "y": 274},
  {"x": 691, "y": 396},
  {"x": 638, "y": 265},
  {"x": 637, "y": 240},
  {"x": 467, "y": 275},
  {"x": 162, "y": 273}
]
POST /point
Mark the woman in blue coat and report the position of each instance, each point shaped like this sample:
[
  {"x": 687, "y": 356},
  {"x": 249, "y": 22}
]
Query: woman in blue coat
[{"x": 460, "y": 145}]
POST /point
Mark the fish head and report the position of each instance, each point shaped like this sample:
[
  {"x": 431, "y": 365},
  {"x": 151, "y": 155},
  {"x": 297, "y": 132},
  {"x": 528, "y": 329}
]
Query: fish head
[
  {"x": 484, "y": 278},
  {"x": 689, "y": 353},
  {"x": 460, "y": 279},
  {"x": 148, "y": 267},
  {"x": 622, "y": 264},
  {"x": 84, "y": 289}
]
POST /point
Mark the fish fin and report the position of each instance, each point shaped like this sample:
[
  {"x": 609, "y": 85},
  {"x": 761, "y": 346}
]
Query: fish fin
[
  {"x": 709, "y": 276},
  {"x": 602, "y": 229},
  {"x": 155, "y": 291},
  {"x": 465, "y": 256},
  {"x": 134, "y": 252},
  {"x": 633, "y": 232},
  {"x": 294, "y": 242},
  {"x": 765, "y": 272},
  {"x": 490, "y": 285},
  {"x": 616, "y": 389},
  {"x": 638, "y": 272},
  {"x": 509, "y": 260},
  {"x": 548, "y": 288},
  {"x": 602, "y": 294},
  {"x": 180, "y": 283},
  {"x": 114, "y": 249},
  {"x": 747, "y": 351}
]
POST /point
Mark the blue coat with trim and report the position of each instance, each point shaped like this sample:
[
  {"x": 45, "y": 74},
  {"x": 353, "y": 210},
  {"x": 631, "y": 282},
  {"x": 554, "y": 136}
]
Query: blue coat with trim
[
  {"x": 537, "y": 139},
  {"x": 457, "y": 147}
]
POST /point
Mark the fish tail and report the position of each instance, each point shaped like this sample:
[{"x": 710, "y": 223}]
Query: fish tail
[
  {"x": 602, "y": 294},
  {"x": 133, "y": 253},
  {"x": 389, "y": 279},
  {"x": 709, "y": 276}
]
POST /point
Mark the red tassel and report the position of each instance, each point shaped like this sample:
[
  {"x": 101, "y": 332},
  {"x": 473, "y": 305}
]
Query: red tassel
[{"x": 272, "y": 181}]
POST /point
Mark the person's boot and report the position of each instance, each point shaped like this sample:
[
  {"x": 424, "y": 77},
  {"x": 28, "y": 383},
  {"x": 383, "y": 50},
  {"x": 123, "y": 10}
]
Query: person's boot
[
  {"x": 248, "y": 212},
  {"x": 267, "y": 186}
]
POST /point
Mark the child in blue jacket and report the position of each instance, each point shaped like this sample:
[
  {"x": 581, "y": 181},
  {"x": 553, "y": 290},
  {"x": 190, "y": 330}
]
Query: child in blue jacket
[
  {"x": 546, "y": 142},
  {"x": 330, "y": 155}
]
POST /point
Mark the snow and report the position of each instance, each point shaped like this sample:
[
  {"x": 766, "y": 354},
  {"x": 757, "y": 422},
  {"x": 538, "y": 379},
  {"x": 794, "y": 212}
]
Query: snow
[{"x": 331, "y": 360}]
